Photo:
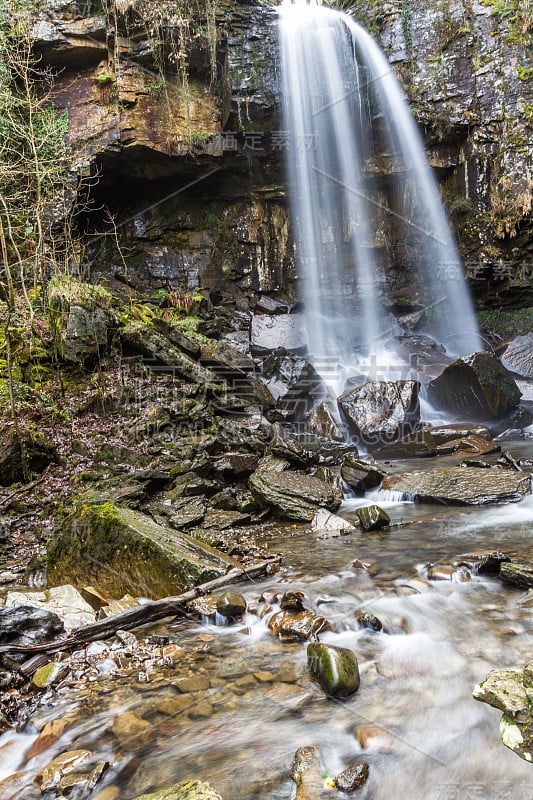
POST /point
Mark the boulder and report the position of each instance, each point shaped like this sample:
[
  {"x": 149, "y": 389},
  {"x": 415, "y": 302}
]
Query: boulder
[
  {"x": 447, "y": 433},
  {"x": 325, "y": 521},
  {"x": 414, "y": 445},
  {"x": 26, "y": 625},
  {"x": 518, "y": 356},
  {"x": 335, "y": 668},
  {"x": 361, "y": 475},
  {"x": 461, "y": 485},
  {"x": 511, "y": 691},
  {"x": 475, "y": 387},
  {"x": 270, "y": 333},
  {"x": 188, "y": 790},
  {"x": 86, "y": 333},
  {"x": 321, "y": 422},
  {"x": 352, "y": 778},
  {"x": 231, "y": 604},
  {"x": 472, "y": 445},
  {"x": 124, "y": 552},
  {"x": 307, "y": 775},
  {"x": 293, "y": 626},
  {"x": 379, "y": 412},
  {"x": 293, "y": 495},
  {"x": 520, "y": 575},
  {"x": 37, "y": 452},
  {"x": 294, "y": 384},
  {"x": 65, "y": 601},
  {"x": 372, "y": 518}
]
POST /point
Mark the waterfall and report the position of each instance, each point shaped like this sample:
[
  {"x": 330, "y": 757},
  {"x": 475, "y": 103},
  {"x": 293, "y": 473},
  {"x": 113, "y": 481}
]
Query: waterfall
[{"x": 346, "y": 119}]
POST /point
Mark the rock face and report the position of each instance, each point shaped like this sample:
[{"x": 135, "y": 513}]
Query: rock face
[
  {"x": 461, "y": 485},
  {"x": 518, "y": 356},
  {"x": 511, "y": 691},
  {"x": 125, "y": 552},
  {"x": 293, "y": 495},
  {"x": 335, "y": 668},
  {"x": 475, "y": 387},
  {"x": 380, "y": 411}
]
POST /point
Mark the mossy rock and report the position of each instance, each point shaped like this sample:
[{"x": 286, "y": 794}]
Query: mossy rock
[
  {"x": 121, "y": 551},
  {"x": 188, "y": 790},
  {"x": 335, "y": 668}
]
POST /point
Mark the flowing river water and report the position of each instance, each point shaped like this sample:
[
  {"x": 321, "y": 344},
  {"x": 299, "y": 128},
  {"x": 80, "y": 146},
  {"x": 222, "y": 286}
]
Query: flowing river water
[{"x": 256, "y": 703}]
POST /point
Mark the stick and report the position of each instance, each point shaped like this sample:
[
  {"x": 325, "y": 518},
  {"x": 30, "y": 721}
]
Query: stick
[
  {"x": 512, "y": 461},
  {"x": 142, "y": 615}
]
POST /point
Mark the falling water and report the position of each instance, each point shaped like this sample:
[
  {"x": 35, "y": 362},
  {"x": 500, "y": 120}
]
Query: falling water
[{"x": 345, "y": 113}]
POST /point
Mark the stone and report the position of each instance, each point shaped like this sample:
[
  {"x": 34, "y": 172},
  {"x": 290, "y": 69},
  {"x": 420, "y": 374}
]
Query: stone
[
  {"x": 292, "y": 600},
  {"x": 192, "y": 683},
  {"x": 324, "y": 520},
  {"x": 482, "y": 562},
  {"x": 131, "y": 730},
  {"x": 85, "y": 334},
  {"x": 38, "y": 452},
  {"x": 49, "y": 674},
  {"x": 352, "y": 778},
  {"x": 419, "y": 444},
  {"x": 335, "y": 668},
  {"x": 126, "y": 552},
  {"x": 379, "y": 412},
  {"x": 50, "y": 776},
  {"x": 188, "y": 790},
  {"x": 293, "y": 495},
  {"x": 361, "y": 475},
  {"x": 470, "y": 445},
  {"x": 372, "y": 518},
  {"x": 231, "y": 604},
  {"x": 322, "y": 422},
  {"x": 453, "y": 431},
  {"x": 373, "y": 737},
  {"x": 270, "y": 333},
  {"x": 65, "y": 601},
  {"x": 475, "y": 387},
  {"x": 504, "y": 689},
  {"x": 461, "y": 485},
  {"x": 25, "y": 625},
  {"x": 520, "y": 575},
  {"x": 307, "y": 775},
  {"x": 518, "y": 356},
  {"x": 294, "y": 384},
  {"x": 292, "y": 626},
  {"x": 367, "y": 620}
]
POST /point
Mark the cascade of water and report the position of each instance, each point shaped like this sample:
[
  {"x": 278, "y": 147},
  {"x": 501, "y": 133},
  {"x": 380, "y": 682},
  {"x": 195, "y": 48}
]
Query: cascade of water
[{"x": 345, "y": 113}]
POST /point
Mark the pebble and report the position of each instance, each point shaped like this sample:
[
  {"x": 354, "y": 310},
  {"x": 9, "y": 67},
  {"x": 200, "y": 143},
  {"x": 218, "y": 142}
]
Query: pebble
[{"x": 131, "y": 730}]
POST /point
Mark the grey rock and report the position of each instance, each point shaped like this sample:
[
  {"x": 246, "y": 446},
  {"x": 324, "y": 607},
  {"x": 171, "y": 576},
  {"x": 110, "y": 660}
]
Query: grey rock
[
  {"x": 285, "y": 331},
  {"x": 518, "y": 356},
  {"x": 293, "y": 495},
  {"x": 461, "y": 485},
  {"x": 380, "y": 411},
  {"x": 361, "y": 475}
]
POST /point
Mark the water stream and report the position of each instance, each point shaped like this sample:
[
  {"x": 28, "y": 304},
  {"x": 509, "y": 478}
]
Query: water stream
[
  {"x": 258, "y": 702},
  {"x": 346, "y": 116}
]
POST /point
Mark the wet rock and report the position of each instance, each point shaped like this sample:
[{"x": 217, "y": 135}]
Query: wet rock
[
  {"x": 461, "y": 485},
  {"x": 322, "y": 422},
  {"x": 293, "y": 626},
  {"x": 285, "y": 331},
  {"x": 188, "y": 790},
  {"x": 335, "y": 668},
  {"x": 125, "y": 552},
  {"x": 483, "y": 562},
  {"x": 445, "y": 572},
  {"x": 352, "y": 778},
  {"x": 420, "y": 444},
  {"x": 292, "y": 600},
  {"x": 65, "y": 601},
  {"x": 372, "y": 737},
  {"x": 25, "y": 625},
  {"x": 293, "y": 382},
  {"x": 191, "y": 683},
  {"x": 473, "y": 445},
  {"x": 307, "y": 775},
  {"x": 475, "y": 387},
  {"x": 361, "y": 475},
  {"x": 49, "y": 674},
  {"x": 52, "y": 774},
  {"x": 36, "y": 454},
  {"x": 325, "y": 521},
  {"x": 293, "y": 495},
  {"x": 518, "y": 356},
  {"x": 367, "y": 620},
  {"x": 372, "y": 518},
  {"x": 380, "y": 411},
  {"x": 520, "y": 575},
  {"x": 131, "y": 730},
  {"x": 447, "y": 433},
  {"x": 231, "y": 604}
]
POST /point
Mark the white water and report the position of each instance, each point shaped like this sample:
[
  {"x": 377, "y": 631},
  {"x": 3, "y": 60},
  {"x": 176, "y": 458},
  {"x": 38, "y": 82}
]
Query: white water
[{"x": 337, "y": 87}]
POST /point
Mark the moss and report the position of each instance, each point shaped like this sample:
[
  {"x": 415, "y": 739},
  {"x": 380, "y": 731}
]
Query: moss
[
  {"x": 67, "y": 291},
  {"x": 506, "y": 324}
]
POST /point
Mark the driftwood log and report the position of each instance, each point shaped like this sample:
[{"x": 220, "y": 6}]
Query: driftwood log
[{"x": 143, "y": 614}]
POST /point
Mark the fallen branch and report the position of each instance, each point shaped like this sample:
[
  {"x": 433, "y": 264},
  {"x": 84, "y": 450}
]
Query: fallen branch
[
  {"x": 6, "y": 502},
  {"x": 142, "y": 614},
  {"x": 511, "y": 461}
]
